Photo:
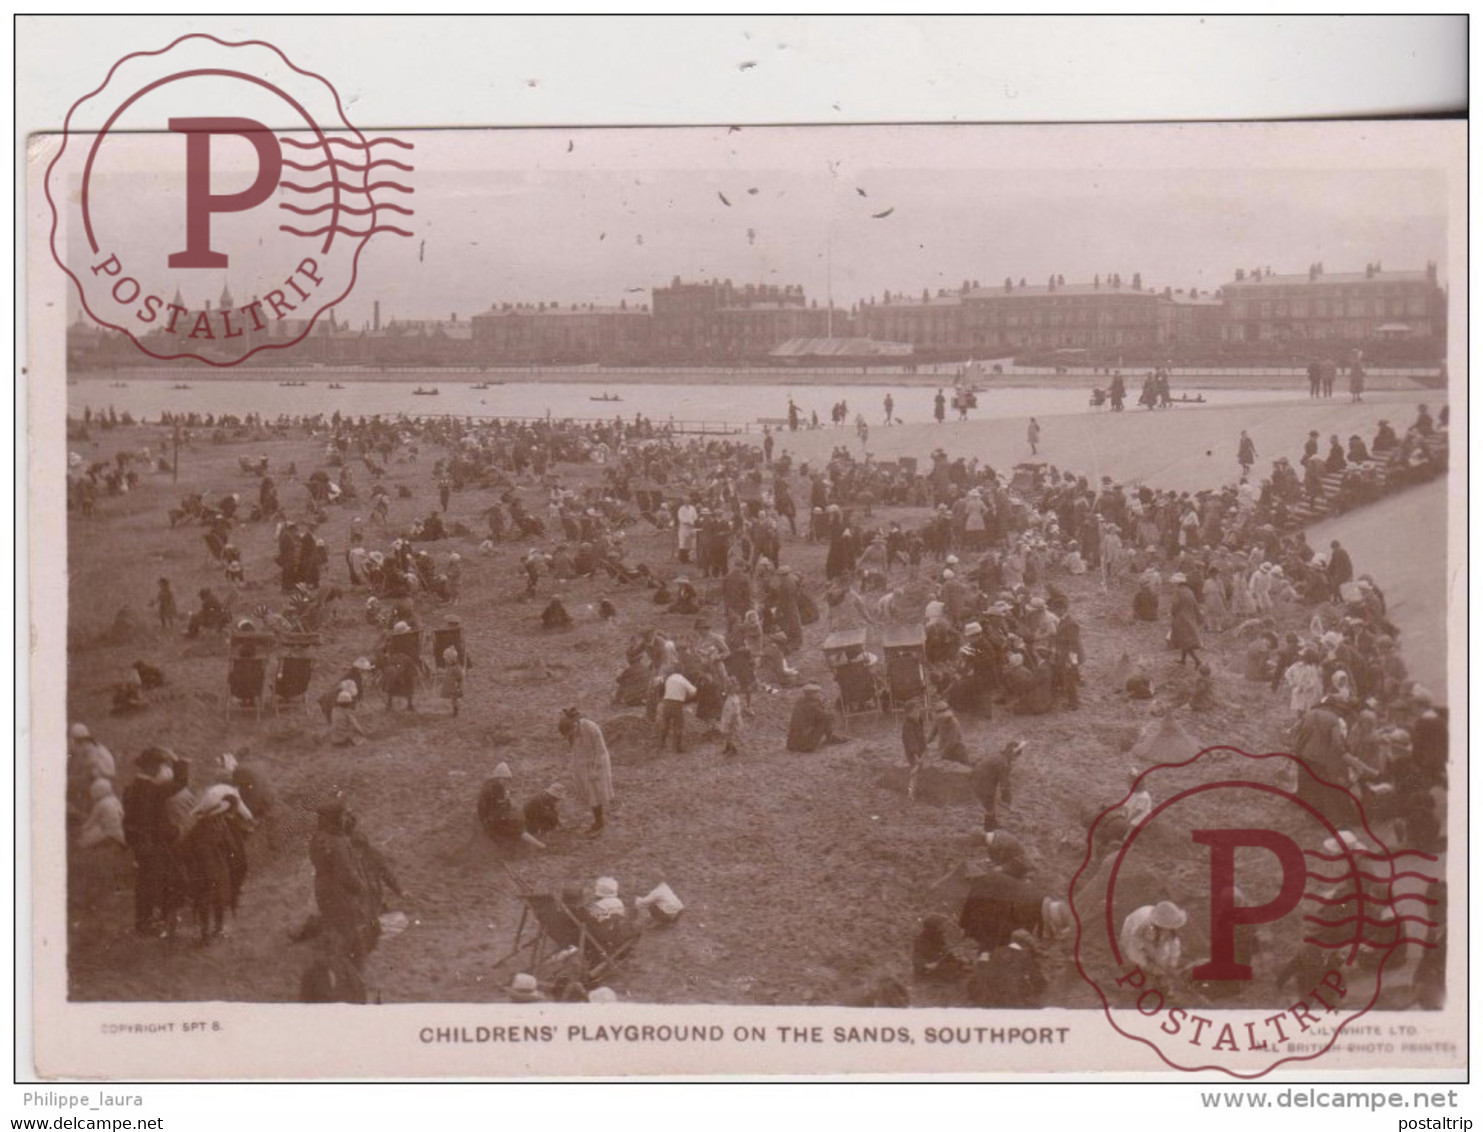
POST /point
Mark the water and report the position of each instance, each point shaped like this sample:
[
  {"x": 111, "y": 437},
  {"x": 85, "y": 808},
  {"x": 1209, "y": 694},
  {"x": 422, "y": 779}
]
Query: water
[{"x": 737, "y": 404}]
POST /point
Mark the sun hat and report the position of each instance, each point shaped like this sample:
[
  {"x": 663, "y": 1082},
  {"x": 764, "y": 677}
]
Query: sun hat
[
  {"x": 346, "y": 697},
  {"x": 80, "y": 731},
  {"x": 502, "y": 771},
  {"x": 524, "y": 988},
  {"x": 1168, "y": 915}
]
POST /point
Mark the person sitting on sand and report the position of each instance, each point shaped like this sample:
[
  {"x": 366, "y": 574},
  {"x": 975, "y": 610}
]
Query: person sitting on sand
[
  {"x": 932, "y": 957},
  {"x": 1009, "y": 977},
  {"x": 345, "y": 726},
  {"x": 775, "y": 668},
  {"x": 812, "y": 722},
  {"x": 686, "y": 599},
  {"x": 555, "y": 616},
  {"x": 502, "y": 822},
  {"x": 1146, "y": 602},
  {"x": 947, "y": 732},
  {"x": 543, "y": 812}
]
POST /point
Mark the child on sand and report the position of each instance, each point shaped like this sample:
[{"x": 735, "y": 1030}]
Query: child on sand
[
  {"x": 164, "y": 603},
  {"x": 731, "y": 719},
  {"x": 451, "y": 685}
]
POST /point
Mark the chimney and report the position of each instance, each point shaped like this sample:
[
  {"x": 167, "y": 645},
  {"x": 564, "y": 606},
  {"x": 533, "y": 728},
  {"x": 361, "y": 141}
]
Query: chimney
[{"x": 376, "y": 315}]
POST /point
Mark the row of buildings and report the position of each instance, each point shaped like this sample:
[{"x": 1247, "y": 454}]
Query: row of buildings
[{"x": 1259, "y": 316}]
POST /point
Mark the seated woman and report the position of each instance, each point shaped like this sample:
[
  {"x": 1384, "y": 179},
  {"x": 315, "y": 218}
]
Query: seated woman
[
  {"x": 812, "y": 722},
  {"x": 686, "y": 599},
  {"x": 1030, "y": 690},
  {"x": 502, "y": 822},
  {"x": 555, "y": 616},
  {"x": 633, "y": 682}
]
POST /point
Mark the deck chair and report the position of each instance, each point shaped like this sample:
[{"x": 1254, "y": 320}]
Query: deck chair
[
  {"x": 558, "y": 928},
  {"x": 291, "y": 683},
  {"x": 247, "y": 677},
  {"x": 859, "y": 694},
  {"x": 445, "y": 638},
  {"x": 247, "y": 670},
  {"x": 906, "y": 663}
]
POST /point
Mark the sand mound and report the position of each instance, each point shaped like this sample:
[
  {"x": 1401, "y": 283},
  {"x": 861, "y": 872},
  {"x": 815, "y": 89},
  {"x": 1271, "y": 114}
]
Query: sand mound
[
  {"x": 630, "y": 738},
  {"x": 1165, "y": 741},
  {"x": 536, "y": 672}
]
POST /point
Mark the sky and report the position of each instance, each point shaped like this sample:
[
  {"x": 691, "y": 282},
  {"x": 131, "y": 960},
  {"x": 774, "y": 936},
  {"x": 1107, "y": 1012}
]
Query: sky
[{"x": 602, "y": 216}]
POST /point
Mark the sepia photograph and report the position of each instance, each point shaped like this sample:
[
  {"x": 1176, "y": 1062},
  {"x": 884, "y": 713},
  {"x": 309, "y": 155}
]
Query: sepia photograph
[{"x": 957, "y": 577}]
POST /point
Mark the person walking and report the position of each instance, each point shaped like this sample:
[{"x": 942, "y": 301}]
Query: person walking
[
  {"x": 939, "y": 407},
  {"x": 1033, "y": 435},
  {"x": 1246, "y": 453},
  {"x": 1184, "y": 619},
  {"x": 890, "y": 405},
  {"x": 591, "y": 766}
]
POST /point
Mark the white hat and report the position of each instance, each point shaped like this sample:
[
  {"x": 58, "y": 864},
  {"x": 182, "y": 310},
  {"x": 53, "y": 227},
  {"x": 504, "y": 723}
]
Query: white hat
[
  {"x": 80, "y": 731},
  {"x": 502, "y": 771},
  {"x": 602, "y": 994},
  {"x": 952, "y": 559},
  {"x": 401, "y": 627},
  {"x": 362, "y": 664},
  {"x": 605, "y": 887},
  {"x": 1351, "y": 842},
  {"x": 345, "y": 697},
  {"x": 1177, "y": 579},
  {"x": 972, "y": 629},
  {"x": 1168, "y": 915}
]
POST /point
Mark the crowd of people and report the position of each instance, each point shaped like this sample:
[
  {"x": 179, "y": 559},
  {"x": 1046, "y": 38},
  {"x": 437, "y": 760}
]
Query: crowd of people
[{"x": 993, "y": 572}]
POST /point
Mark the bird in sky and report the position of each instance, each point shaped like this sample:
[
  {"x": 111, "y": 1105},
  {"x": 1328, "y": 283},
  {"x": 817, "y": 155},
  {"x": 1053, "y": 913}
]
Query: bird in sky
[
  {"x": 724, "y": 201},
  {"x": 881, "y": 215}
]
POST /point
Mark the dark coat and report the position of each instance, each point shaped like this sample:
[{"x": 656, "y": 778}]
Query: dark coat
[{"x": 1184, "y": 619}]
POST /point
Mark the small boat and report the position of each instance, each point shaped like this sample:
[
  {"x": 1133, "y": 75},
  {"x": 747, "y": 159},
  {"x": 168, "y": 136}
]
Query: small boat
[
  {"x": 421, "y": 392},
  {"x": 336, "y": 385},
  {"x": 119, "y": 385},
  {"x": 606, "y": 397},
  {"x": 292, "y": 384},
  {"x": 482, "y": 385},
  {"x": 180, "y": 385}
]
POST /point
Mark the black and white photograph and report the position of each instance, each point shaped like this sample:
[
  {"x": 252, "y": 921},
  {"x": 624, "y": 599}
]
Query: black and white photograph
[{"x": 968, "y": 591}]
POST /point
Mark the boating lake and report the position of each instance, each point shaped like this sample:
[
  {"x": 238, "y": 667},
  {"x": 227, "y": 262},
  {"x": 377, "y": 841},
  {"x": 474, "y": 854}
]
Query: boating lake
[{"x": 704, "y": 400}]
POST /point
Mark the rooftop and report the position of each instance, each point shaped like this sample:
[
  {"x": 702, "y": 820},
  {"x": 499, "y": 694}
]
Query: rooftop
[
  {"x": 1347, "y": 278},
  {"x": 1069, "y": 289}
]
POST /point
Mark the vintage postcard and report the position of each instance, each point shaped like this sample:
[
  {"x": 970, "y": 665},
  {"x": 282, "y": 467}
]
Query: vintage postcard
[{"x": 895, "y": 600}]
